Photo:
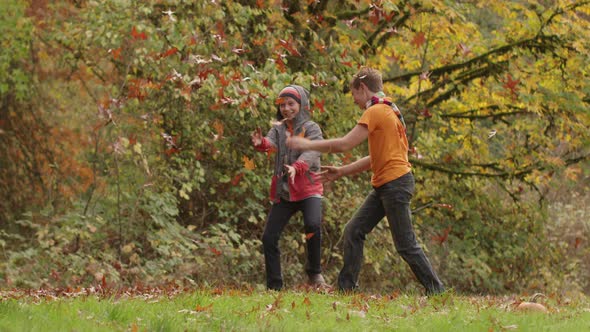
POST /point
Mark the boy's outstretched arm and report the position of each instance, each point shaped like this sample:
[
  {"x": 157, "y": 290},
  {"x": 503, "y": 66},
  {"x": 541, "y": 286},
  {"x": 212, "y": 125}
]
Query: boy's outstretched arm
[
  {"x": 331, "y": 173},
  {"x": 355, "y": 137}
]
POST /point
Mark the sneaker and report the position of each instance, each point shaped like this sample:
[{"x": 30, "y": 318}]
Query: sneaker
[{"x": 317, "y": 280}]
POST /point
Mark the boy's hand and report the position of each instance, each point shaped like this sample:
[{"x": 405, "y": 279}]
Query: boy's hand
[
  {"x": 291, "y": 170},
  {"x": 257, "y": 137},
  {"x": 329, "y": 173},
  {"x": 297, "y": 143}
]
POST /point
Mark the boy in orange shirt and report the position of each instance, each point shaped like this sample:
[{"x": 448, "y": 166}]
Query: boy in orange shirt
[{"x": 392, "y": 181}]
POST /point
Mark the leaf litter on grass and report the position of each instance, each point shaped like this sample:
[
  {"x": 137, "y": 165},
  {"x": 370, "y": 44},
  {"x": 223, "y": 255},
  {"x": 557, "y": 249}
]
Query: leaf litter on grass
[{"x": 266, "y": 309}]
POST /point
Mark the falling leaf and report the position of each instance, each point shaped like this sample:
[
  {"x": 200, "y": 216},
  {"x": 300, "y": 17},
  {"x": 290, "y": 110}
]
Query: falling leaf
[
  {"x": 444, "y": 206},
  {"x": 419, "y": 39},
  {"x": 248, "y": 163},
  {"x": 425, "y": 75},
  {"x": 320, "y": 104},
  {"x": 306, "y": 301},
  {"x": 464, "y": 49},
  {"x": 492, "y": 133},
  {"x": 293, "y": 305},
  {"x": 238, "y": 51},
  {"x": 302, "y": 133},
  {"x": 309, "y": 236},
  {"x": 442, "y": 238}
]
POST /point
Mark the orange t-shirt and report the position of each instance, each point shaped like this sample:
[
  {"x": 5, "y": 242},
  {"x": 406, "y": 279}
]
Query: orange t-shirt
[{"x": 388, "y": 144}]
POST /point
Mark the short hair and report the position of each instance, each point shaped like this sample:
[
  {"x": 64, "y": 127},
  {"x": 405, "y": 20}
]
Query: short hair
[{"x": 371, "y": 77}]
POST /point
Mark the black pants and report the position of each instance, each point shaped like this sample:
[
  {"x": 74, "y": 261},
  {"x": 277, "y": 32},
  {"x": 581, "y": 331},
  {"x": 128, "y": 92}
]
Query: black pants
[
  {"x": 391, "y": 200},
  {"x": 279, "y": 216}
]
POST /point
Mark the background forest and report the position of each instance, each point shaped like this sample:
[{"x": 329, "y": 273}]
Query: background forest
[{"x": 125, "y": 153}]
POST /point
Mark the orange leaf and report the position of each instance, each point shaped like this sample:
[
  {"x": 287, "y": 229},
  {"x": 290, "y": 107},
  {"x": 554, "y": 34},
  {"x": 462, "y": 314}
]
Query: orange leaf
[
  {"x": 306, "y": 301},
  {"x": 199, "y": 308},
  {"x": 116, "y": 53},
  {"x": 218, "y": 126},
  {"x": 302, "y": 133},
  {"x": 248, "y": 163},
  {"x": 309, "y": 236}
]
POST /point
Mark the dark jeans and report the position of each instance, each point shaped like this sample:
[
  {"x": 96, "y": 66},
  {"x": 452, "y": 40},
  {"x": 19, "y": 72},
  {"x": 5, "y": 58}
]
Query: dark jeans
[
  {"x": 279, "y": 215},
  {"x": 393, "y": 201}
]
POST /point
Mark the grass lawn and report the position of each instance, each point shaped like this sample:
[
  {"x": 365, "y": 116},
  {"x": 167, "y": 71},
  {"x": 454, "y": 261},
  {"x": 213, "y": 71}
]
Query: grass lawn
[{"x": 173, "y": 309}]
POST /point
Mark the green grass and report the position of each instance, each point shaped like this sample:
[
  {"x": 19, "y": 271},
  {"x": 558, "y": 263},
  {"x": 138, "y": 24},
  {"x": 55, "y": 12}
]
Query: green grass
[{"x": 234, "y": 310}]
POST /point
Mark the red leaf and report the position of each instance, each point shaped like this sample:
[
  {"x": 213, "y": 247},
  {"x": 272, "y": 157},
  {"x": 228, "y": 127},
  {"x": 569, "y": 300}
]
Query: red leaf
[
  {"x": 426, "y": 113},
  {"x": 138, "y": 35},
  {"x": 288, "y": 44},
  {"x": 442, "y": 238},
  {"x": 281, "y": 64},
  {"x": 237, "y": 179},
  {"x": 511, "y": 84},
  {"x": 171, "y": 151},
  {"x": 215, "y": 251},
  {"x": 375, "y": 14},
  {"x": 224, "y": 82},
  {"x": 168, "y": 53},
  {"x": 309, "y": 236},
  {"x": 389, "y": 17},
  {"x": 320, "y": 105},
  {"x": 444, "y": 206},
  {"x": 419, "y": 39},
  {"x": 116, "y": 53}
]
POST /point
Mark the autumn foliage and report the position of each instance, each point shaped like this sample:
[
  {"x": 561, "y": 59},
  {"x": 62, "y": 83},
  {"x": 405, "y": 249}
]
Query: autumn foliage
[{"x": 126, "y": 154}]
